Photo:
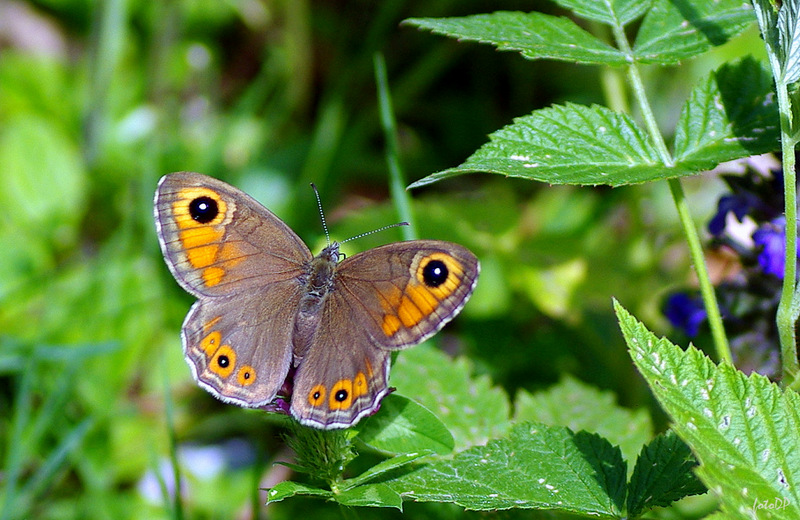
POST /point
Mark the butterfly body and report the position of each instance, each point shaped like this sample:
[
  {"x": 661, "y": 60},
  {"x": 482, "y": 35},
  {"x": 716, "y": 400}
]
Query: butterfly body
[{"x": 273, "y": 322}]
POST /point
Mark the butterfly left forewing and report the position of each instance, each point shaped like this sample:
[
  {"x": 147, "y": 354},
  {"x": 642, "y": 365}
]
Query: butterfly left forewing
[
  {"x": 246, "y": 268},
  {"x": 217, "y": 240},
  {"x": 403, "y": 293}
]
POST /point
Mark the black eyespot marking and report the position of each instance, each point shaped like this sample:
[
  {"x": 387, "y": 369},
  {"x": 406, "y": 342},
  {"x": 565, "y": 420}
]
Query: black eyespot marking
[
  {"x": 316, "y": 395},
  {"x": 341, "y": 396},
  {"x": 435, "y": 273},
  {"x": 203, "y": 209},
  {"x": 247, "y": 375},
  {"x": 223, "y": 361}
]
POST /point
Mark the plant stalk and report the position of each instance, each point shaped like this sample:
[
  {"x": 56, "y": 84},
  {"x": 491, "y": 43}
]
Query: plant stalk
[
  {"x": 788, "y": 308},
  {"x": 681, "y": 205},
  {"x": 397, "y": 182}
]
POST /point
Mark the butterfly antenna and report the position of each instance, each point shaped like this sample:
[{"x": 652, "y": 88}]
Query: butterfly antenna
[
  {"x": 375, "y": 231},
  {"x": 321, "y": 214}
]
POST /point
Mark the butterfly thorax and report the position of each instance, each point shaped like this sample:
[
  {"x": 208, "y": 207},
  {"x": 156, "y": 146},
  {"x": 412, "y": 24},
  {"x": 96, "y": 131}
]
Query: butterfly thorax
[{"x": 320, "y": 276}]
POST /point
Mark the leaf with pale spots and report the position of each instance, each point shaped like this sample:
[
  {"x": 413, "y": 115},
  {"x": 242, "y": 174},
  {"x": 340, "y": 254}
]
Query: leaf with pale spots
[
  {"x": 568, "y": 144},
  {"x": 470, "y": 407},
  {"x": 789, "y": 33},
  {"x": 579, "y": 406},
  {"x": 744, "y": 430},
  {"x": 613, "y": 12},
  {"x": 730, "y": 114},
  {"x": 534, "y": 35},
  {"x": 674, "y": 31},
  {"x": 669, "y": 32},
  {"x": 662, "y": 475},
  {"x": 536, "y": 466}
]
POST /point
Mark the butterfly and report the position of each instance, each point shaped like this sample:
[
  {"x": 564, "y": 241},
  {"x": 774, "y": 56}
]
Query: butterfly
[{"x": 278, "y": 328}]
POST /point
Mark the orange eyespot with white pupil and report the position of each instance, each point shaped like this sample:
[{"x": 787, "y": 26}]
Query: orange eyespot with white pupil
[
  {"x": 203, "y": 209},
  {"x": 317, "y": 395},
  {"x": 246, "y": 375},
  {"x": 223, "y": 361},
  {"x": 434, "y": 273},
  {"x": 341, "y": 397}
]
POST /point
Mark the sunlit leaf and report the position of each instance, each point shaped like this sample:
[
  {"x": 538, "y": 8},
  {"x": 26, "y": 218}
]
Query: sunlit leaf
[
  {"x": 536, "y": 466},
  {"x": 677, "y": 30},
  {"x": 534, "y": 35},
  {"x": 744, "y": 430}
]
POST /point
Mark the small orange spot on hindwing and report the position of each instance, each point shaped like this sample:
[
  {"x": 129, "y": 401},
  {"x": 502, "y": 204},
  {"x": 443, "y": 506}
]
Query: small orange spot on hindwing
[
  {"x": 359, "y": 385},
  {"x": 211, "y": 342}
]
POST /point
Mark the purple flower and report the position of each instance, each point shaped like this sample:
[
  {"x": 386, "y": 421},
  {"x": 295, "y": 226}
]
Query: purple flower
[
  {"x": 739, "y": 204},
  {"x": 685, "y": 312},
  {"x": 771, "y": 237}
]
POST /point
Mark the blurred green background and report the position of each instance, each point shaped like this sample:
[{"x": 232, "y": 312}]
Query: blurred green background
[{"x": 99, "y": 99}]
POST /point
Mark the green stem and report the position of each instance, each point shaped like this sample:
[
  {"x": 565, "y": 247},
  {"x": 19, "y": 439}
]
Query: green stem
[
  {"x": 682, "y": 206},
  {"x": 788, "y": 307},
  {"x": 400, "y": 197},
  {"x": 706, "y": 287}
]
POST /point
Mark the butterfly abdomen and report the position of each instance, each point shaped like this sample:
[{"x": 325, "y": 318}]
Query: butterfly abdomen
[{"x": 318, "y": 285}]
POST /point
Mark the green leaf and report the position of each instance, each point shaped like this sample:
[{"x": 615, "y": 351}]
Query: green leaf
[
  {"x": 615, "y": 12},
  {"x": 578, "y": 406},
  {"x": 404, "y": 426},
  {"x": 767, "y": 18},
  {"x": 731, "y": 114},
  {"x": 534, "y": 35},
  {"x": 568, "y": 144},
  {"x": 744, "y": 431},
  {"x": 289, "y": 489},
  {"x": 677, "y": 30},
  {"x": 357, "y": 491},
  {"x": 382, "y": 468},
  {"x": 789, "y": 34},
  {"x": 537, "y": 466},
  {"x": 372, "y": 495},
  {"x": 662, "y": 475},
  {"x": 470, "y": 407}
]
